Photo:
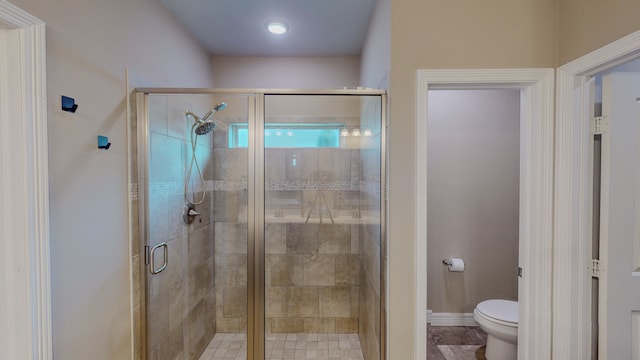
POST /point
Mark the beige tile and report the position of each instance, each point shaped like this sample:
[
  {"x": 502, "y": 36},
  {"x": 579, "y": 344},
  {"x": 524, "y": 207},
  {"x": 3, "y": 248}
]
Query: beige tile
[
  {"x": 355, "y": 301},
  {"x": 335, "y": 162},
  {"x": 284, "y": 270},
  {"x": 165, "y": 159},
  {"x": 231, "y": 325},
  {"x": 328, "y": 325},
  {"x": 195, "y": 336},
  {"x": 313, "y": 325},
  {"x": 276, "y": 301},
  {"x": 170, "y": 347},
  {"x": 355, "y": 239},
  {"x": 335, "y": 302},
  {"x": 231, "y": 238},
  {"x": 226, "y": 205},
  {"x": 219, "y": 292},
  {"x": 275, "y": 239},
  {"x": 210, "y": 311},
  {"x": 275, "y": 164},
  {"x": 288, "y": 325},
  {"x": 158, "y": 326},
  {"x": 346, "y": 325},
  {"x": 347, "y": 270},
  {"x": 230, "y": 164},
  {"x": 268, "y": 325},
  {"x": 234, "y": 301},
  {"x": 230, "y": 270},
  {"x": 200, "y": 247},
  {"x": 158, "y": 218},
  {"x": 306, "y": 164},
  {"x": 302, "y": 302},
  {"x": 178, "y": 308},
  {"x": 319, "y": 270},
  {"x": 302, "y": 238},
  {"x": 334, "y": 239}
]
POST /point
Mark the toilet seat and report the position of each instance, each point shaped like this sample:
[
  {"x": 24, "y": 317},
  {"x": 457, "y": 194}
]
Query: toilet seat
[{"x": 504, "y": 312}]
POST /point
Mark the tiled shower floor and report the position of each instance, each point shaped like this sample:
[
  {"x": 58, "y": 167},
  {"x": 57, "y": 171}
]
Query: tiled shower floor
[{"x": 287, "y": 346}]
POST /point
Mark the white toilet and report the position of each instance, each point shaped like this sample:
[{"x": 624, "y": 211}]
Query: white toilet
[{"x": 499, "y": 319}]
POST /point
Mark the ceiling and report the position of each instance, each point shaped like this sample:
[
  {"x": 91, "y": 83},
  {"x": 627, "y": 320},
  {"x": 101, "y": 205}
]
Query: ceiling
[{"x": 238, "y": 27}]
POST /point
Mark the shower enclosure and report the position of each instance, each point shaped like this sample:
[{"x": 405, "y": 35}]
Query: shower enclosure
[{"x": 260, "y": 224}]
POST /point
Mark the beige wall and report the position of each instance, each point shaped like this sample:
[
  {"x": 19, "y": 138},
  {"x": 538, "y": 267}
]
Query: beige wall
[
  {"x": 286, "y": 72},
  {"x": 473, "y": 197},
  {"x": 586, "y": 25},
  {"x": 89, "y": 46},
  {"x": 444, "y": 34}
]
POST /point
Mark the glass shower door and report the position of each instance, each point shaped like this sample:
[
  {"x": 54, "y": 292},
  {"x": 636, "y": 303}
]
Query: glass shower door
[
  {"x": 322, "y": 226},
  {"x": 194, "y": 225}
]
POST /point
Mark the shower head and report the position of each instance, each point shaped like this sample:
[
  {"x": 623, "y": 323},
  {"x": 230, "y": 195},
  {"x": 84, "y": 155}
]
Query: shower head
[
  {"x": 204, "y": 127},
  {"x": 215, "y": 109}
]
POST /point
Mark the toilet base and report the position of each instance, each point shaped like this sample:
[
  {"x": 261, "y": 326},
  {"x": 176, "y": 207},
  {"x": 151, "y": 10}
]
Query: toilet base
[{"x": 498, "y": 349}]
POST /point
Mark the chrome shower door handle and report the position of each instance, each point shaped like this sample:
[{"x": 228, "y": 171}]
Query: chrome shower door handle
[{"x": 152, "y": 265}]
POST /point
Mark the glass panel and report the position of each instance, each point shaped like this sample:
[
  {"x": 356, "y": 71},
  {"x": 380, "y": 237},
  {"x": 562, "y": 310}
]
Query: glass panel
[
  {"x": 199, "y": 302},
  {"x": 322, "y": 227}
]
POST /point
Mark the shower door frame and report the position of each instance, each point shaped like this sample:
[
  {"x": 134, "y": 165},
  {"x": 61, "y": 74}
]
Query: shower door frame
[{"x": 256, "y": 299}]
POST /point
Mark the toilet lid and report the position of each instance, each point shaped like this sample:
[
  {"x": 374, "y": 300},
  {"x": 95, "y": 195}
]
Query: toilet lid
[{"x": 504, "y": 310}]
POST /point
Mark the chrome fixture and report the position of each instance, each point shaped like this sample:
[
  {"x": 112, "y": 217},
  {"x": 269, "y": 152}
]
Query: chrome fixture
[
  {"x": 190, "y": 214},
  {"x": 201, "y": 126}
]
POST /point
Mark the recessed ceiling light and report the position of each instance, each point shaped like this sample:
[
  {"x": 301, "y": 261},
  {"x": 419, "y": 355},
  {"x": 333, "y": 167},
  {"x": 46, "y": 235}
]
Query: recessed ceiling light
[{"x": 277, "y": 27}]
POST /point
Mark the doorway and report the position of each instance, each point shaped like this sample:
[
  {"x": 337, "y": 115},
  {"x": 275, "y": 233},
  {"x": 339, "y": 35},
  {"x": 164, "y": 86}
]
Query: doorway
[
  {"x": 536, "y": 194},
  {"x": 573, "y": 249},
  {"x": 262, "y": 237},
  {"x": 473, "y": 211},
  {"x": 616, "y": 213},
  {"x": 24, "y": 213}
]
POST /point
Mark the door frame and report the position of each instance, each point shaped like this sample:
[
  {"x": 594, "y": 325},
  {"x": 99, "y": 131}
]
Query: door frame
[
  {"x": 572, "y": 218},
  {"x": 26, "y": 329},
  {"x": 536, "y": 194}
]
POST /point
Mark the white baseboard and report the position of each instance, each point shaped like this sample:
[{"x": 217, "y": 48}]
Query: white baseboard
[{"x": 450, "y": 319}]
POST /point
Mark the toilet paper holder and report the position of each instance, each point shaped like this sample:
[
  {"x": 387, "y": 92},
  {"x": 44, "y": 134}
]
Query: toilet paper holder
[{"x": 454, "y": 264}]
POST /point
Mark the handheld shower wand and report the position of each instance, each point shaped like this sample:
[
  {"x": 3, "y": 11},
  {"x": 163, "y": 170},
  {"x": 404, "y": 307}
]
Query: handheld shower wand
[{"x": 201, "y": 126}]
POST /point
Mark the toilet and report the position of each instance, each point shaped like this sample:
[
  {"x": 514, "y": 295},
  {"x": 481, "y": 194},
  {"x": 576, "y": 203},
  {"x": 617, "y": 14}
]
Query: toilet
[{"x": 499, "y": 319}]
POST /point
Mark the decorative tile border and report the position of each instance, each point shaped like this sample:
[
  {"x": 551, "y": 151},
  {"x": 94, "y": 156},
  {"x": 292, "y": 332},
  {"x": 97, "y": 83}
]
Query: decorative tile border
[
  {"x": 169, "y": 188},
  {"x": 311, "y": 185}
]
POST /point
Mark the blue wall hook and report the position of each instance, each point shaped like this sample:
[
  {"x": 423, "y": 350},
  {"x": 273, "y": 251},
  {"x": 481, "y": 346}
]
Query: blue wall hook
[
  {"x": 69, "y": 104},
  {"x": 103, "y": 142}
]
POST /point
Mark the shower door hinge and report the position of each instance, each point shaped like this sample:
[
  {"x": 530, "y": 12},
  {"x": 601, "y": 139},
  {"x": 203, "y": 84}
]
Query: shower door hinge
[
  {"x": 595, "y": 269},
  {"x": 599, "y": 125},
  {"x": 146, "y": 255}
]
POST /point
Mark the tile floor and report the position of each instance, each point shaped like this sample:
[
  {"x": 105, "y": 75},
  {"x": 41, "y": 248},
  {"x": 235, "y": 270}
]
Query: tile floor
[
  {"x": 226, "y": 346},
  {"x": 455, "y": 343}
]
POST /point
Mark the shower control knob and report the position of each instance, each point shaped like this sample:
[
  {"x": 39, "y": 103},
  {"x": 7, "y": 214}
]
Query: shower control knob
[{"x": 190, "y": 214}]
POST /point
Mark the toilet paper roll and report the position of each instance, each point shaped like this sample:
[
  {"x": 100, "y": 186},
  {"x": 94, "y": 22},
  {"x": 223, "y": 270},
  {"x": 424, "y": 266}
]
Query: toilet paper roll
[{"x": 456, "y": 265}]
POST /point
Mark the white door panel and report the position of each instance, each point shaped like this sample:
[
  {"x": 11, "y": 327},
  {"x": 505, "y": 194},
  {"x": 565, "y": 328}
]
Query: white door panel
[{"x": 620, "y": 219}]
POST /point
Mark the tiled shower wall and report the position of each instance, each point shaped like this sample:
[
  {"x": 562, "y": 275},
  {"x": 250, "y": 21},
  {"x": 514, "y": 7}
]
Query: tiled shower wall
[
  {"x": 312, "y": 278},
  {"x": 230, "y": 218},
  {"x": 312, "y": 269},
  {"x": 181, "y": 299}
]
